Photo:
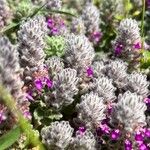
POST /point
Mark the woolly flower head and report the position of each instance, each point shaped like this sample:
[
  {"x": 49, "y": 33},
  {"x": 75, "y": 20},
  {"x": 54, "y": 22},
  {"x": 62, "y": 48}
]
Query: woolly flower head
[
  {"x": 91, "y": 17},
  {"x": 128, "y": 40},
  {"x": 99, "y": 68},
  {"x": 5, "y": 13},
  {"x": 138, "y": 83},
  {"x": 117, "y": 70},
  {"x": 110, "y": 8},
  {"x": 54, "y": 4},
  {"x": 65, "y": 87},
  {"x": 54, "y": 65},
  {"x": 10, "y": 72},
  {"x": 104, "y": 87},
  {"x": 79, "y": 51},
  {"x": 9, "y": 67},
  {"x": 84, "y": 141},
  {"x": 51, "y": 4},
  {"x": 91, "y": 110},
  {"x": 129, "y": 112},
  {"x": 77, "y": 26},
  {"x": 31, "y": 41},
  {"x": 58, "y": 135}
]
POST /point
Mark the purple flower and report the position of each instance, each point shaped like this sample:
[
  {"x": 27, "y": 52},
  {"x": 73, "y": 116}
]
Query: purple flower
[
  {"x": 29, "y": 96},
  {"x": 2, "y": 116},
  {"x": 89, "y": 72},
  {"x": 48, "y": 82},
  {"x": 81, "y": 130},
  {"x": 38, "y": 84},
  {"x": 128, "y": 144},
  {"x": 143, "y": 147},
  {"x": 137, "y": 45},
  {"x": 115, "y": 134},
  {"x": 27, "y": 115},
  {"x": 118, "y": 49},
  {"x": 139, "y": 136},
  {"x": 96, "y": 36},
  {"x": 105, "y": 128},
  {"x": 54, "y": 31},
  {"x": 50, "y": 23},
  {"x": 147, "y": 101},
  {"x": 147, "y": 133}
]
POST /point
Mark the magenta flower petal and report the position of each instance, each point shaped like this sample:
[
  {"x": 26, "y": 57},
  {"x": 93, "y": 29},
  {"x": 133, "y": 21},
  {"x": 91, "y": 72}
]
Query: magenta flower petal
[
  {"x": 89, "y": 72},
  {"x": 115, "y": 134},
  {"x": 128, "y": 144},
  {"x": 137, "y": 45},
  {"x": 118, "y": 49},
  {"x": 139, "y": 136},
  {"x": 143, "y": 147},
  {"x": 38, "y": 84}
]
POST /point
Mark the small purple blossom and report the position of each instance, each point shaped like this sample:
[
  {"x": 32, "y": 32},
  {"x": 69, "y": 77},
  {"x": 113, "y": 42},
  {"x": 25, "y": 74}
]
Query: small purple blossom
[
  {"x": 2, "y": 117},
  {"x": 128, "y": 144},
  {"x": 54, "y": 31},
  {"x": 147, "y": 133},
  {"x": 81, "y": 130},
  {"x": 96, "y": 37},
  {"x": 147, "y": 101},
  {"x": 143, "y": 147},
  {"x": 27, "y": 115},
  {"x": 48, "y": 82},
  {"x": 137, "y": 45},
  {"x": 38, "y": 84},
  {"x": 105, "y": 128},
  {"x": 118, "y": 49},
  {"x": 139, "y": 136},
  {"x": 115, "y": 134},
  {"x": 89, "y": 72},
  {"x": 29, "y": 96},
  {"x": 50, "y": 23}
]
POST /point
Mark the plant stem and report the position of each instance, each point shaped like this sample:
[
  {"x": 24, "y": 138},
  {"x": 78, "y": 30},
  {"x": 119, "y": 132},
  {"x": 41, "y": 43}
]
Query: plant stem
[
  {"x": 142, "y": 23},
  {"x": 23, "y": 123}
]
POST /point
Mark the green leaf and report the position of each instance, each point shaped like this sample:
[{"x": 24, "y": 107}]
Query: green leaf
[
  {"x": 63, "y": 12},
  {"x": 145, "y": 61},
  {"x": 9, "y": 138},
  {"x": 10, "y": 27}
]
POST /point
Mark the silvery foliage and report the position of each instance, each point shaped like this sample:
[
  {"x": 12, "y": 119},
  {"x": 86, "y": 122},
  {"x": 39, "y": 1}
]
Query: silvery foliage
[
  {"x": 128, "y": 35},
  {"x": 91, "y": 17},
  {"x": 31, "y": 41},
  {"x": 54, "y": 65},
  {"x": 129, "y": 112},
  {"x": 54, "y": 4},
  {"x": 58, "y": 135},
  {"x": 5, "y": 13},
  {"x": 10, "y": 73},
  {"x": 104, "y": 87},
  {"x": 84, "y": 141},
  {"x": 91, "y": 110},
  {"x": 79, "y": 51},
  {"x": 10, "y": 70},
  {"x": 65, "y": 87},
  {"x": 111, "y": 8},
  {"x": 77, "y": 26},
  {"x": 50, "y": 4},
  {"x": 117, "y": 70},
  {"x": 99, "y": 68},
  {"x": 137, "y": 82}
]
